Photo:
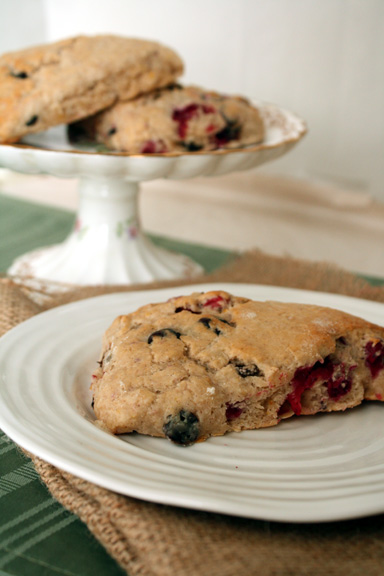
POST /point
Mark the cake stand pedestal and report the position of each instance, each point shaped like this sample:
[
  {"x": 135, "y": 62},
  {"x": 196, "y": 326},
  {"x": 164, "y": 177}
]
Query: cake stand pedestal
[{"x": 107, "y": 244}]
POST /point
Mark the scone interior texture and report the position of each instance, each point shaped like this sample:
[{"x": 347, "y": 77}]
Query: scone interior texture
[
  {"x": 65, "y": 81},
  {"x": 210, "y": 363},
  {"x": 174, "y": 119}
]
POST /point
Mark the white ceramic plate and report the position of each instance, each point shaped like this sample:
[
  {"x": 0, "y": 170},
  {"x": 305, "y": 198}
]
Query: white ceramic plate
[{"x": 319, "y": 468}]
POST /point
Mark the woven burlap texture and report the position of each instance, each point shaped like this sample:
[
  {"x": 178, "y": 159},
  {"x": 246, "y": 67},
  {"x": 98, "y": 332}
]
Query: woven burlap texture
[{"x": 150, "y": 539}]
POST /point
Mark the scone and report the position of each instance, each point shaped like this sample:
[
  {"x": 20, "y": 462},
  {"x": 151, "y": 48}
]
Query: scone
[
  {"x": 210, "y": 363},
  {"x": 174, "y": 119},
  {"x": 59, "y": 83}
]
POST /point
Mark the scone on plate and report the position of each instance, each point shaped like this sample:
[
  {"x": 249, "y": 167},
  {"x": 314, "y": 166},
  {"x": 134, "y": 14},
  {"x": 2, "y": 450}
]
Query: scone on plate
[
  {"x": 211, "y": 363},
  {"x": 59, "y": 83},
  {"x": 174, "y": 119}
]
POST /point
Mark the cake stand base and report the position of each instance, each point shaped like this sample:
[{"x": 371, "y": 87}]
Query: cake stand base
[{"x": 106, "y": 245}]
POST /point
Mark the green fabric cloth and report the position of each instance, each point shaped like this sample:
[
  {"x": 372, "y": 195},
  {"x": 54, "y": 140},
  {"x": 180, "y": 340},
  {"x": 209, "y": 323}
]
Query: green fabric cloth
[{"x": 38, "y": 537}]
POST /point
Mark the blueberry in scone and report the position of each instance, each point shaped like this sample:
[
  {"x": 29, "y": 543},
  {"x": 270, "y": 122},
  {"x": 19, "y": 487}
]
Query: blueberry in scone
[
  {"x": 182, "y": 428},
  {"x": 210, "y": 363},
  {"x": 174, "y": 119}
]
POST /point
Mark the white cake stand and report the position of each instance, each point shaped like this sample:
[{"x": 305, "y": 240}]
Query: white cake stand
[{"x": 107, "y": 244}]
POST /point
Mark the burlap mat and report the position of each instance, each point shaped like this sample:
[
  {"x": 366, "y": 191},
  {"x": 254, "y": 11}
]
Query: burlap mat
[{"x": 154, "y": 540}]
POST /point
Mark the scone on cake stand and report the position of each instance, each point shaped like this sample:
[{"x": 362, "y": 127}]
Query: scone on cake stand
[{"x": 107, "y": 244}]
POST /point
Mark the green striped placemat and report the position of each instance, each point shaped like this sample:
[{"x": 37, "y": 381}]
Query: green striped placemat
[{"x": 38, "y": 537}]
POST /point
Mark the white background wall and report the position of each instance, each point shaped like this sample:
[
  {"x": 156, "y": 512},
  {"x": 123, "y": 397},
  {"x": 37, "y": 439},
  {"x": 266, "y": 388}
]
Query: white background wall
[{"x": 323, "y": 59}]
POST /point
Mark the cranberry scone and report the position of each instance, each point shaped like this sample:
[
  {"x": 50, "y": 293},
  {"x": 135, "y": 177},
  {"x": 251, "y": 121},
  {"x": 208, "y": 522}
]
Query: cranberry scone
[
  {"x": 59, "y": 83},
  {"x": 174, "y": 119},
  {"x": 211, "y": 363}
]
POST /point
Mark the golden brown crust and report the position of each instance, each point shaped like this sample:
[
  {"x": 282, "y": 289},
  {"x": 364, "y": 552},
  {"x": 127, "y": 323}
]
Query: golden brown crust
[
  {"x": 233, "y": 364},
  {"x": 62, "y": 82}
]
